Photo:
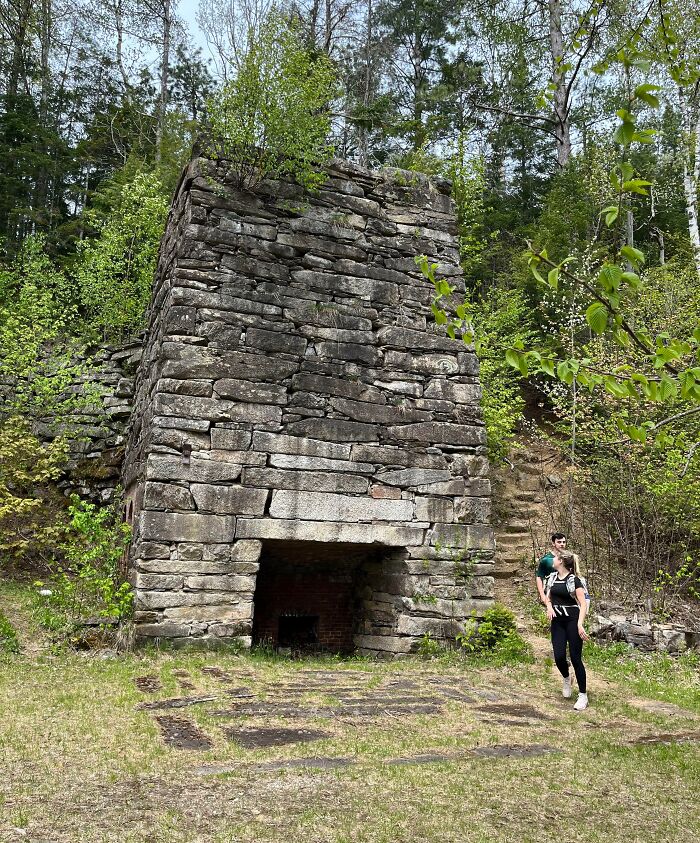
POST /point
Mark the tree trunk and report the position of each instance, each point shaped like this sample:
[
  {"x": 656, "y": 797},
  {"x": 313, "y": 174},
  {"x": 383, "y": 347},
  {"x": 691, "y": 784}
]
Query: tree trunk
[
  {"x": 164, "y": 76},
  {"x": 561, "y": 94},
  {"x": 690, "y": 120},
  {"x": 363, "y": 137}
]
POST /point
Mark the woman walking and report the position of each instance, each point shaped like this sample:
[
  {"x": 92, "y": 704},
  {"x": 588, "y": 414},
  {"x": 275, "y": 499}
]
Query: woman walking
[{"x": 565, "y": 600}]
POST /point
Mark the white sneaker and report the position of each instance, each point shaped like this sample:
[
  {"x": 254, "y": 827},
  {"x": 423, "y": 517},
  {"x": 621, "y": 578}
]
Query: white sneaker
[
  {"x": 566, "y": 687},
  {"x": 581, "y": 702}
]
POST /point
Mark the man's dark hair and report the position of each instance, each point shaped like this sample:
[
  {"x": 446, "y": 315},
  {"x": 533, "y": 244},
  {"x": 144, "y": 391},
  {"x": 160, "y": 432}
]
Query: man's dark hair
[{"x": 557, "y": 536}]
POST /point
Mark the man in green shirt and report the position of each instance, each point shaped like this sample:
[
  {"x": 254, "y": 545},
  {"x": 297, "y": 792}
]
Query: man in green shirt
[{"x": 546, "y": 564}]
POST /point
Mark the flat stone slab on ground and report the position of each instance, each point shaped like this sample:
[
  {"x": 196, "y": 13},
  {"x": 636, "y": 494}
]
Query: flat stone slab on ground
[
  {"x": 258, "y": 738},
  {"x": 174, "y": 702},
  {"x": 679, "y": 737},
  {"x": 148, "y": 684},
  {"x": 513, "y": 710},
  {"x": 182, "y": 734},
  {"x": 506, "y": 751}
]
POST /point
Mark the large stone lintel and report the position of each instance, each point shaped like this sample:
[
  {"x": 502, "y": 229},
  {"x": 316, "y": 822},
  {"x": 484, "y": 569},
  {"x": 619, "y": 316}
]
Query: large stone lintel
[{"x": 328, "y": 531}]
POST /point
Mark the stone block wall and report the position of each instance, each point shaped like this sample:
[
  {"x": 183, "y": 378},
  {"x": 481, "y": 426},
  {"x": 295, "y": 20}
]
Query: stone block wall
[{"x": 293, "y": 389}]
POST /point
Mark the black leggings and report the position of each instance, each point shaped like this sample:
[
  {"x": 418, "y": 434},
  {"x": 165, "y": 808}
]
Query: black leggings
[{"x": 566, "y": 629}]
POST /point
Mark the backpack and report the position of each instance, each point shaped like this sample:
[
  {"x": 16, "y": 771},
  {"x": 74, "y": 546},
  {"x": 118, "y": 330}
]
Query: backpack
[{"x": 570, "y": 586}]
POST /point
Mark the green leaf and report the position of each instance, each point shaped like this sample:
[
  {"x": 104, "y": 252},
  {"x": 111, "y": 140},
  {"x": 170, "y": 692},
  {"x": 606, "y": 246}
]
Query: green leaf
[
  {"x": 644, "y": 93},
  {"x": 616, "y": 389},
  {"x": 537, "y": 274},
  {"x": 547, "y": 366},
  {"x": 634, "y": 256},
  {"x": 632, "y": 279},
  {"x": 611, "y": 214},
  {"x": 597, "y": 317},
  {"x": 553, "y": 278},
  {"x": 624, "y": 134},
  {"x": 668, "y": 389},
  {"x": 565, "y": 372},
  {"x": 626, "y": 170},
  {"x": 513, "y": 358},
  {"x": 636, "y": 186},
  {"x": 439, "y": 314},
  {"x": 609, "y": 277}
]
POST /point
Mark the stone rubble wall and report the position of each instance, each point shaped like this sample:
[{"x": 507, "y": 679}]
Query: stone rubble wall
[
  {"x": 96, "y": 431},
  {"x": 294, "y": 388}
]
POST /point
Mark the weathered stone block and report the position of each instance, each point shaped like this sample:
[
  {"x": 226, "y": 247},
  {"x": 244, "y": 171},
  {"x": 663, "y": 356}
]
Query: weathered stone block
[
  {"x": 334, "y": 430},
  {"x": 439, "y": 433},
  {"x": 175, "y": 527},
  {"x": 166, "y": 496},
  {"x": 312, "y": 506},
  {"x": 385, "y": 643},
  {"x": 207, "y": 613},
  {"x": 152, "y": 550},
  {"x": 278, "y": 444},
  {"x": 166, "y": 629},
  {"x": 472, "y": 511},
  {"x": 246, "y": 550},
  {"x": 192, "y": 361},
  {"x": 391, "y": 456},
  {"x": 216, "y": 409},
  {"x": 434, "y": 509},
  {"x": 230, "y": 440},
  {"x": 460, "y": 393},
  {"x": 413, "y": 477},
  {"x": 424, "y": 364},
  {"x": 303, "y": 463},
  {"x": 385, "y": 492},
  {"x": 328, "y": 531},
  {"x": 194, "y": 387},
  {"x": 275, "y": 341},
  {"x": 238, "y": 457},
  {"x": 469, "y": 537},
  {"x": 317, "y": 481},
  {"x": 220, "y": 583},
  {"x": 229, "y": 500},
  {"x": 246, "y": 391},
  {"x": 336, "y": 386},
  {"x": 158, "y": 582},
  {"x": 196, "y": 470}
]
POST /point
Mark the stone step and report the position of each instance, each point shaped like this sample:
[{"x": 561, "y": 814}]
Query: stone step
[
  {"x": 515, "y": 528},
  {"x": 504, "y": 573}
]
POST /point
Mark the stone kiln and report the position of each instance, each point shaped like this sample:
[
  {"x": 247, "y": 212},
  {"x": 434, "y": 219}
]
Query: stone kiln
[{"x": 306, "y": 461}]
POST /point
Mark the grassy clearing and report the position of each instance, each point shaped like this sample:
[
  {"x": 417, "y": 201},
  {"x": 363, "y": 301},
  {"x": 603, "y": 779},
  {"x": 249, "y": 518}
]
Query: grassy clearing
[{"x": 81, "y": 763}]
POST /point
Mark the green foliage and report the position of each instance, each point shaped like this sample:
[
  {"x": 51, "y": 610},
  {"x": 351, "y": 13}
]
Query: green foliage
[
  {"x": 38, "y": 358},
  {"x": 86, "y": 584},
  {"x": 9, "y": 642},
  {"x": 684, "y": 580},
  {"x": 26, "y": 466},
  {"x": 273, "y": 119},
  {"x": 503, "y": 320},
  {"x": 429, "y": 648},
  {"x": 468, "y": 177},
  {"x": 115, "y": 269},
  {"x": 495, "y": 638}
]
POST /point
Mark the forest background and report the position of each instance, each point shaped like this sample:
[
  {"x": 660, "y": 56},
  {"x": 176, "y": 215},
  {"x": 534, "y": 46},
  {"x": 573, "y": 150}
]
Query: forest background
[{"x": 571, "y": 133}]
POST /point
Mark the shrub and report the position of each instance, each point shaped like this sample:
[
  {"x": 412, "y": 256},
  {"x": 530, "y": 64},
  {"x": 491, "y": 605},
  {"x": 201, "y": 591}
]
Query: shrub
[
  {"x": 115, "y": 269},
  {"x": 495, "y": 638},
  {"x": 25, "y": 466},
  {"x": 87, "y": 583},
  {"x": 273, "y": 118}
]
